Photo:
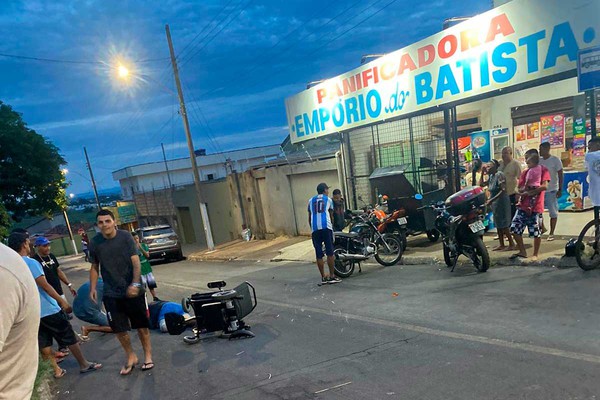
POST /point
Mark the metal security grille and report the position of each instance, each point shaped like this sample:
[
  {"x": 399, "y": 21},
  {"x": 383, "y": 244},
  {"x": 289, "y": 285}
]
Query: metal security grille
[{"x": 418, "y": 144}]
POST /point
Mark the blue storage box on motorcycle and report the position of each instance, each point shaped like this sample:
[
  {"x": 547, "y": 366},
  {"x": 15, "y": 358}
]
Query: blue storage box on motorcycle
[{"x": 465, "y": 200}]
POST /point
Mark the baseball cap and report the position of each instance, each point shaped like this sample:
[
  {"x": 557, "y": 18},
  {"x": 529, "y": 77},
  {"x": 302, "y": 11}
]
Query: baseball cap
[
  {"x": 41, "y": 241},
  {"x": 321, "y": 187}
]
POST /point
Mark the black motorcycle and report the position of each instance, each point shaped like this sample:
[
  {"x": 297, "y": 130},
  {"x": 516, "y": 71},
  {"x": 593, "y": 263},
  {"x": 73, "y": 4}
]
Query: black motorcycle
[
  {"x": 460, "y": 221},
  {"x": 363, "y": 242}
]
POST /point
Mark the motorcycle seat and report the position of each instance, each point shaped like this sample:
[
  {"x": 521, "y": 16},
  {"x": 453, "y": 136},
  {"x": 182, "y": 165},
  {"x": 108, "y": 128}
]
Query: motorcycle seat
[{"x": 344, "y": 234}]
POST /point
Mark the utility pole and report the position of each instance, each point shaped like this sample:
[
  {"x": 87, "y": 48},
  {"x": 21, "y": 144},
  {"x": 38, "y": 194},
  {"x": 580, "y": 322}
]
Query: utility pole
[
  {"x": 70, "y": 231},
  {"x": 166, "y": 165},
  {"x": 186, "y": 125},
  {"x": 87, "y": 159}
]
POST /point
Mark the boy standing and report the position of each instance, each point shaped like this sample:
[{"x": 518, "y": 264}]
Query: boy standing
[
  {"x": 146, "y": 271},
  {"x": 339, "y": 210},
  {"x": 320, "y": 215}
]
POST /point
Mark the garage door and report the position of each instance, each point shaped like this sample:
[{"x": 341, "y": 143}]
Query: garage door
[{"x": 304, "y": 186}]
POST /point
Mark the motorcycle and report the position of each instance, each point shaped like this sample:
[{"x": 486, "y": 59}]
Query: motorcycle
[
  {"x": 460, "y": 222},
  {"x": 393, "y": 224},
  {"x": 363, "y": 242}
]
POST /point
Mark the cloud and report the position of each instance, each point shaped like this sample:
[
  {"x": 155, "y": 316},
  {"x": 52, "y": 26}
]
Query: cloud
[{"x": 239, "y": 80}]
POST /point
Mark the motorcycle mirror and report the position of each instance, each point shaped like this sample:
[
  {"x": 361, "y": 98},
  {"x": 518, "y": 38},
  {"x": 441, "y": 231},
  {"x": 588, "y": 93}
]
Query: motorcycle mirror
[{"x": 419, "y": 196}]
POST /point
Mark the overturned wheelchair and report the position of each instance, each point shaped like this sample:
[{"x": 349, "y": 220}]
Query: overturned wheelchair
[{"x": 220, "y": 311}]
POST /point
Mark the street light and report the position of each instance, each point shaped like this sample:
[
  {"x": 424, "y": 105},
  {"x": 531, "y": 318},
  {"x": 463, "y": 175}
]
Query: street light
[
  {"x": 123, "y": 71},
  {"x": 183, "y": 113}
]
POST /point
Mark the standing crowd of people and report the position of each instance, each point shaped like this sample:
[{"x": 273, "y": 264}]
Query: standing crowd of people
[
  {"x": 113, "y": 301},
  {"x": 518, "y": 198}
]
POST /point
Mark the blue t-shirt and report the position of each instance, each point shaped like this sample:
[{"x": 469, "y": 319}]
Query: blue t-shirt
[
  {"x": 170, "y": 307},
  {"x": 49, "y": 306},
  {"x": 319, "y": 207},
  {"x": 83, "y": 306}
]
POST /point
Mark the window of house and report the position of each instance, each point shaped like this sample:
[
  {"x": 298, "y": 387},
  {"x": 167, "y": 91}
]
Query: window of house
[{"x": 210, "y": 177}]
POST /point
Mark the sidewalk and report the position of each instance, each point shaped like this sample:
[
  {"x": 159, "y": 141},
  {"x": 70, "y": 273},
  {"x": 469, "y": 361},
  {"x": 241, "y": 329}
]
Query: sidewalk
[
  {"x": 254, "y": 250},
  {"x": 420, "y": 251}
]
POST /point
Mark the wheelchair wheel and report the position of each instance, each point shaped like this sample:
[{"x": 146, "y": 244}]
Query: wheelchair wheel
[
  {"x": 191, "y": 339},
  {"x": 185, "y": 304}
]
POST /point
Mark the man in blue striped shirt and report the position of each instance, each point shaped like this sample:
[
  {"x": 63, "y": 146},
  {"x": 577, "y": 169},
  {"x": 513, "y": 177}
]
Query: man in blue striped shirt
[{"x": 320, "y": 215}]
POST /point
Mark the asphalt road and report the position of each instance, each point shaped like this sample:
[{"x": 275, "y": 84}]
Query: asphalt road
[{"x": 406, "y": 332}]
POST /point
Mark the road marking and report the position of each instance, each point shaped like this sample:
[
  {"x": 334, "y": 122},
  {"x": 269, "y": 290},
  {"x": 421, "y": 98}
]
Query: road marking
[
  {"x": 438, "y": 332},
  {"x": 333, "y": 387}
]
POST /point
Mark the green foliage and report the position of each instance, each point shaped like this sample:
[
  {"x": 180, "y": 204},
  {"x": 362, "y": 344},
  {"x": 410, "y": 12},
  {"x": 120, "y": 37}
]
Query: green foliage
[
  {"x": 4, "y": 222},
  {"x": 31, "y": 180},
  {"x": 42, "y": 380}
]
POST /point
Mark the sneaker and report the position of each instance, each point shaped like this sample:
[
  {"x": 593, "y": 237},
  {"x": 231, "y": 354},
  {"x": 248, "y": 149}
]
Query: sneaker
[
  {"x": 333, "y": 280},
  {"x": 324, "y": 281}
]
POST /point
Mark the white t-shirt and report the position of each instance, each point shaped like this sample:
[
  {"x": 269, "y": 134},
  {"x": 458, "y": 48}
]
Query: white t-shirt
[
  {"x": 319, "y": 207},
  {"x": 19, "y": 323},
  {"x": 554, "y": 165},
  {"x": 592, "y": 163}
]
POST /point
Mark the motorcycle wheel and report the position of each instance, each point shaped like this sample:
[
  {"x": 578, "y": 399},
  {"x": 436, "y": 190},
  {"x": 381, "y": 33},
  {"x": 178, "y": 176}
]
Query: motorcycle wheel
[
  {"x": 391, "y": 257},
  {"x": 448, "y": 259},
  {"x": 481, "y": 257},
  {"x": 342, "y": 269},
  {"x": 433, "y": 235}
]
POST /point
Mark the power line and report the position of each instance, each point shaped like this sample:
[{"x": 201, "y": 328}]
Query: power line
[
  {"x": 183, "y": 62},
  {"x": 89, "y": 62},
  {"x": 241, "y": 78},
  {"x": 194, "y": 107},
  {"x": 295, "y": 65},
  {"x": 202, "y": 31}
]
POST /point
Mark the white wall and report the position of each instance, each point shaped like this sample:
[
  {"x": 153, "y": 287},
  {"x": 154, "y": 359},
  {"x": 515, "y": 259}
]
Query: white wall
[
  {"x": 495, "y": 112},
  {"x": 145, "y": 177}
]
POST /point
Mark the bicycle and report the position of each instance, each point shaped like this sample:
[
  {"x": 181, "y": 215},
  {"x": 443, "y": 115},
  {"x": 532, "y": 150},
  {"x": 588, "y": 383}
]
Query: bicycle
[{"x": 587, "y": 247}]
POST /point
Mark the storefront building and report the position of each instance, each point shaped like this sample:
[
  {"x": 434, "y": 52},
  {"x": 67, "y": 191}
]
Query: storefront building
[{"x": 507, "y": 77}]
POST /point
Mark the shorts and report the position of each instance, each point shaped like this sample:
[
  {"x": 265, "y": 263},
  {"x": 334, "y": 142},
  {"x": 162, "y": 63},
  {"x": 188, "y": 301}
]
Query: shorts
[
  {"x": 98, "y": 318},
  {"x": 149, "y": 281},
  {"x": 551, "y": 204},
  {"x": 57, "y": 327},
  {"x": 320, "y": 237},
  {"x": 533, "y": 223},
  {"x": 125, "y": 314}
]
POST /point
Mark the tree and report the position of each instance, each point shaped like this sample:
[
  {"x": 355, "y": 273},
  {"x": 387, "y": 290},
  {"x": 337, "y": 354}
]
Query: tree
[{"x": 31, "y": 179}]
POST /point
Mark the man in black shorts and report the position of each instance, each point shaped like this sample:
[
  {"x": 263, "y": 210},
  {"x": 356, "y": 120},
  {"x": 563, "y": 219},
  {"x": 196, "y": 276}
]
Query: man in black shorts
[
  {"x": 320, "y": 215},
  {"x": 113, "y": 253}
]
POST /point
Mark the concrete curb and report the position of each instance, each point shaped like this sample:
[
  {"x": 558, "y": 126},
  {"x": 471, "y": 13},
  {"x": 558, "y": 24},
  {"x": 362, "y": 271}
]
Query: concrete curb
[{"x": 550, "y": 262}]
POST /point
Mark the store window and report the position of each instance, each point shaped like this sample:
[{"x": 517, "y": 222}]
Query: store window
[{"x": 566, "y": 124}]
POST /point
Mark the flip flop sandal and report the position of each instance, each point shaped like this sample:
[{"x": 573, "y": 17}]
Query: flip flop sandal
[
  {"x": 91, "y": 368},
  {"x": 128, "y": 369},
  {"x": 515, "y": 256},
  {"x": 83, "y": 338},
  {"x": 147, "y": 366},
  {"x": 63, "y": 372}
]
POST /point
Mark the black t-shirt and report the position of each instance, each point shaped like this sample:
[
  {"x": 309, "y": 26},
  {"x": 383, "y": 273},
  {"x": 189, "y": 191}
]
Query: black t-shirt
[
  {"x": 114, "y": 257},
  {"x": 50, "y": 265}
]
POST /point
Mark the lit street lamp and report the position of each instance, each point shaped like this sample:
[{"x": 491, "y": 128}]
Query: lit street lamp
[{"x": 124, "y": 75}]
